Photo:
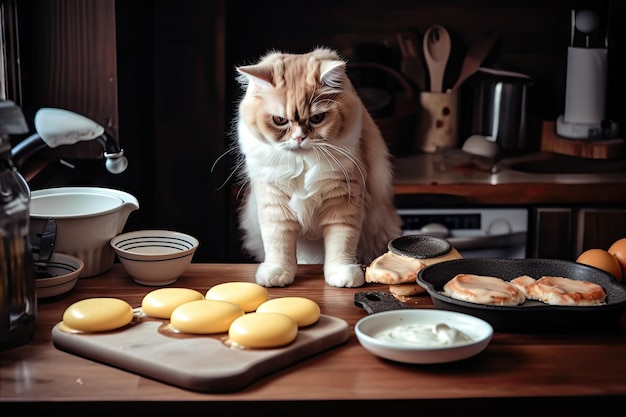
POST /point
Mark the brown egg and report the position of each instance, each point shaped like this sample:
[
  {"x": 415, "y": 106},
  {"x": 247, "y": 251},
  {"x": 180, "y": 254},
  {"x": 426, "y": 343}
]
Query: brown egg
[
  {"x": 618, "y": 249},
  {"x": 601, "y": 259}
]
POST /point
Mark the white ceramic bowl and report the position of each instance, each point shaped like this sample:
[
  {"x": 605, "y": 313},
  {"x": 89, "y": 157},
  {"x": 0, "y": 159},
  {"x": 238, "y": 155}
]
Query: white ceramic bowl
[
  {"x": 87, "y": 218},
  {"x": 367, "y": 328},
  {"x": 65, "y": 270},
  {"x": 155, "y": 257}
]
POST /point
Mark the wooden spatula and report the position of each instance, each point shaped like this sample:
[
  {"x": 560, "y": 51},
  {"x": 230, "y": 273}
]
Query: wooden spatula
[
  {"x": 475, "y": 57},
  {"x": 412, "y": 66}
]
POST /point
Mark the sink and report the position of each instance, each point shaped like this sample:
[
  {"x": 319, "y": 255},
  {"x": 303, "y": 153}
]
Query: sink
[{"x": 552, "y": 163}]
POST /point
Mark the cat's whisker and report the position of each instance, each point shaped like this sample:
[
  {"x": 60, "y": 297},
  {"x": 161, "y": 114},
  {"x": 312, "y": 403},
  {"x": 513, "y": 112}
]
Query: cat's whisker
[
  {"x": 345, "y": 152},
  {"x": 222, "y": 156},
  {"x": 242, "y": 188},
  {"x": 329, "y": 155},
  {"x": 323, "y": 152},
  {"x": 234, "y": 171},
  {"x": 230, "y": 176}
]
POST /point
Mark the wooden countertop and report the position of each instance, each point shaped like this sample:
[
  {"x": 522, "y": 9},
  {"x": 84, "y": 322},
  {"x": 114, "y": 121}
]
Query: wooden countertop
[
  {"x": 522, "y": 194},
  {"x": 518, "y": 371},
  {"x": 455, "y": 174}
]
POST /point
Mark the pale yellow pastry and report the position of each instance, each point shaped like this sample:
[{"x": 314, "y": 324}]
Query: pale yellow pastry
[
  {"x": 303, "y": 310},
  {"x": 247, "y": 295},
  {"x": 160, "y": 303},
  {"x": 262, "y": 330},
  {"x": 205, "y": 316},
  {"x": 98, "y": 314}
]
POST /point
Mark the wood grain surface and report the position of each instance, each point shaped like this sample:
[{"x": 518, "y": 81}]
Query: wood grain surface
[{"x": 565, "y": 369}]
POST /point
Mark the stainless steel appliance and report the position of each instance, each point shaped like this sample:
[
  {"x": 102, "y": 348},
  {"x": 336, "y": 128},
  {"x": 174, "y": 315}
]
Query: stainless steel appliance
[
  {"x": 475, "y": 232},
  {"x": 498, "y": 102}
]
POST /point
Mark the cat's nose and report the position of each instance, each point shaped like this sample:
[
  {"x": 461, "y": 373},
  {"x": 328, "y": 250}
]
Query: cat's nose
[{"x": 300, "y": 138}]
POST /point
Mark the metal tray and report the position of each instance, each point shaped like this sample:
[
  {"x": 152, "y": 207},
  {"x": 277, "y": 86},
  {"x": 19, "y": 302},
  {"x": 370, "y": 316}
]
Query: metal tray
[{"x": 531, "y": 316}]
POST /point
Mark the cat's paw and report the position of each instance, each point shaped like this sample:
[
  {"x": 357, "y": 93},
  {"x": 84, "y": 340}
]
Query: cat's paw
[
  {"x": 344, "y": 275},
  {"x": 274, "y": 275}
]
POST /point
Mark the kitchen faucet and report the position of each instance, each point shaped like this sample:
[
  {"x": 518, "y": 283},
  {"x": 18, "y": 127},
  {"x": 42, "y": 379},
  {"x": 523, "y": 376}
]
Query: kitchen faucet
[{"x": 57, "y": 127}]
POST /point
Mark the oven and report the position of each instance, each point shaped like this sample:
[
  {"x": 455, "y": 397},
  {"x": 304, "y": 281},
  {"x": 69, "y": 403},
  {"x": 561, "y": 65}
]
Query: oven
[{"x": 482, "y": 232}]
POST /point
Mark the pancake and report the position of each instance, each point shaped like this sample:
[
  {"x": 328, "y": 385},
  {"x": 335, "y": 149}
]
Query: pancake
[
  {"x": 523, "y": 282},
  {"x": 405, "y": 291},
  {"x": 393, "y": 269},
  {"x": 482, "y": 289},
  {"x": 561, "y": 291}
]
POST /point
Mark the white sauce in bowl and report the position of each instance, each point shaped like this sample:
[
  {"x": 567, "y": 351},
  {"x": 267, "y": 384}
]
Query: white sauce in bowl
[{"x": 426, "y": 335}]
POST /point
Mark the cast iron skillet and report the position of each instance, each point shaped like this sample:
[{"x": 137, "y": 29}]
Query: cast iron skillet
[{"x": 531, "y": 316}]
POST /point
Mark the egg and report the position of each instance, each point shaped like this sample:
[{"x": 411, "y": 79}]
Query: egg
[
  {"x": 262, "y": 330},
  {"x": 205, "y": 316},
  {"x": 303, "y": 310},
  {"x": 98, "y": 314},
  {"x": 161, "y": 303},
  {"x": 247, "y": 295},
  {"x": 618, "y": 250},
  {"x": 601, "y": 259}
]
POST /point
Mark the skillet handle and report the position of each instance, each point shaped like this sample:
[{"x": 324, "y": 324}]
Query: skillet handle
[{"x": 378, "y": 301}]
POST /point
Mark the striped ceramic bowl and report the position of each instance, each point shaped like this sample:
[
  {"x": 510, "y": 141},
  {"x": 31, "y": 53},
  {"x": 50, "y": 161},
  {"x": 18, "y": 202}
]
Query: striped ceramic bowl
[
  {"x": 64, "y": 271},
  {"x": 155, "y": 257}
]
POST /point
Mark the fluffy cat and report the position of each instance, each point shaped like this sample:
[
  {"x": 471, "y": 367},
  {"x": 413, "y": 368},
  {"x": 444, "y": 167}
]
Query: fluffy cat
[{"x": 317, "y": 167}]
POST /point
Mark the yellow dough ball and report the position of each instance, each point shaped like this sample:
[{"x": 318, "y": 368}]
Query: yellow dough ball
[
  {"x": 303, "y": 310},
  {"x": 263, "y": 330},
  {"x": 205, "y": 316},
  {"x": 161, "y": 303},
  {"x": 98, "y": 314},
  {"x": 247, "y": 295}
]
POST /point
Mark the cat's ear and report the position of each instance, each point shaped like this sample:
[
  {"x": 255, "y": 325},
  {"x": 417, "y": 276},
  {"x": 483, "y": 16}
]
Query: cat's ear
[
  {"x": 332, "y": 73},
  {"x": 260, "y": 75}
]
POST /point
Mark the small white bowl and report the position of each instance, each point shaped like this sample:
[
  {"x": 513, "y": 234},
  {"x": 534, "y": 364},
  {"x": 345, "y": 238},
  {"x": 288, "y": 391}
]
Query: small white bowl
[
  {"x": 65, "y": 270},
  {"x": 477, "y": 329},
  {"x": 155, "y": 257}
]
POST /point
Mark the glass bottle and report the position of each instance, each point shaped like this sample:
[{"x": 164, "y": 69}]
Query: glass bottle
[{"x": 18, "y": 301}]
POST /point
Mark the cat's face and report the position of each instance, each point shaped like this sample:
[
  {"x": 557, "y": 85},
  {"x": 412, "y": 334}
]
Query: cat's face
[{"x": 298, "y": 100}]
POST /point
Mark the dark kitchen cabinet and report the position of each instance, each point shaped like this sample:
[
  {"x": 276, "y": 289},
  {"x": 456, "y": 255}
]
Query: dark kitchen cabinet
[{"x": 566, "y": 232}]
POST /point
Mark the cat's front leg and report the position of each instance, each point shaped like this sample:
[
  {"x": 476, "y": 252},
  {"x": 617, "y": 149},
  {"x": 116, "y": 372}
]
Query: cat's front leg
[
  {"x": 279, "y": 229},
  {"x": 348, "y": 275},
  {"x": 340, "y": 268},
  {"x": 280, "y": 264},
  {"x": 275, "y": 275}
]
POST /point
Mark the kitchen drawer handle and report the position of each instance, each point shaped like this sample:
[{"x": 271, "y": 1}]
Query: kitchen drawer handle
[{"x": 487, "y": 242}]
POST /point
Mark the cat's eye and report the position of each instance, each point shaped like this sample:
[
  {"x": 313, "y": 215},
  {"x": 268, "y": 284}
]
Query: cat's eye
[
  {"x": 279, "y": 121},
  {"x": 317, "y": 118}
]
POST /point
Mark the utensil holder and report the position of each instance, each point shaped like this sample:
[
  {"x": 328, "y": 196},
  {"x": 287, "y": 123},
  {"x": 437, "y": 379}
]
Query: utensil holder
[{"x": 438, "y": 118}]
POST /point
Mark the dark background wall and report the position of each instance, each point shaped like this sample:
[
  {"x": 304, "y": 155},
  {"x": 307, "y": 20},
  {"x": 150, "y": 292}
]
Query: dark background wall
[{"x": 160, "y": 76}]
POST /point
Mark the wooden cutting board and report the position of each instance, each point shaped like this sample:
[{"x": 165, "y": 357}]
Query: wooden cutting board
[
  {"x": 597, "y": 149},
  {"x": 198, "y": 363}
]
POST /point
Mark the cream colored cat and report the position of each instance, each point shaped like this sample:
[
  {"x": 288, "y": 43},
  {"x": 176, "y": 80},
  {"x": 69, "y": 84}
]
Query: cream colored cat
[{"x": 318, "y": 170}]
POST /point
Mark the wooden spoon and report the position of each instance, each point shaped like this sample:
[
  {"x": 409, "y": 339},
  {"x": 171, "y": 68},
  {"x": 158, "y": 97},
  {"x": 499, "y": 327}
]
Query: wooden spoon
[{"x": 437, "y": 45}]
